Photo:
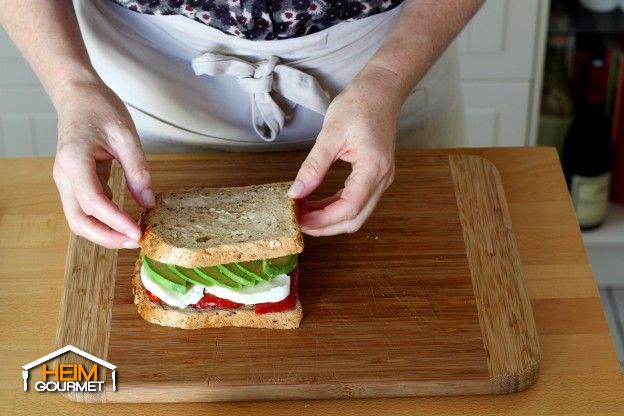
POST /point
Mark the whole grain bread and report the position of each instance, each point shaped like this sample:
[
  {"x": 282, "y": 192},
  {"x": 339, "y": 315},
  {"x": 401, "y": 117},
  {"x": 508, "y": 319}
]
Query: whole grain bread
[
  {"x": 190, "y": 318},
  {"x": 203, "y": 227}
]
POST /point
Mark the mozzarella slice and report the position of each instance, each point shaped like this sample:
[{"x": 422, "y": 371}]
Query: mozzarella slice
[
  {"x": 273, "y": 291},
  {"x": 171, "y": 297}
]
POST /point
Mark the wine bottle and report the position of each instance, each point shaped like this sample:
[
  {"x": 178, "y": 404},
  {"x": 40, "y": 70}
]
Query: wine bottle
[
  {"x": 557, "y": 107},
  {"x": 587, "y": 154}
]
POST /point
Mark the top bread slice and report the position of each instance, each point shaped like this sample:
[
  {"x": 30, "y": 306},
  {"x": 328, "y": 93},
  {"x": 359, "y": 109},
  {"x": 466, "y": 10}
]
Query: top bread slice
[{"x": 203, "y": 227}]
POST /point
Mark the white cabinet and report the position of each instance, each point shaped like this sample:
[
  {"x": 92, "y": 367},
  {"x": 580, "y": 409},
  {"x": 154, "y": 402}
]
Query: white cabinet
[
  {"x": 496, "y": 112},
  {"x": 501, "y": 56}
]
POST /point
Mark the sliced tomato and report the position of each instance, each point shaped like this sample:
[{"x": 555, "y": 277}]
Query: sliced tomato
[
  {"x": 152, "y": 296},
  {"x": 283, "y": 305},
  {"x": 211, "y": 301}
]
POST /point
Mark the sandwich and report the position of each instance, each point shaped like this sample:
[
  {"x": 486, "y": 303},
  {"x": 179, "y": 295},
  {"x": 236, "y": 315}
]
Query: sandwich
[{"x": 217, "y": 257}]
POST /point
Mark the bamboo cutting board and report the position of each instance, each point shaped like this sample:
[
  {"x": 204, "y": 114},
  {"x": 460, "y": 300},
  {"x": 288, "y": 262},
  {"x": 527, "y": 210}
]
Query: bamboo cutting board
[{"x": 427, "y": 299}]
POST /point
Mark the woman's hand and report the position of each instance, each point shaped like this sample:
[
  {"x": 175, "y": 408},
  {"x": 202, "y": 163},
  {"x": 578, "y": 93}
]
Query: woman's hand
[
  {"x": 94, "y": 128},
  {"x": 360, "y": 128}
]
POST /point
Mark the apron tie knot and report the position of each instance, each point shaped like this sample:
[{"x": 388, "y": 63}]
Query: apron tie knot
[
  {"x": 260, "y": 85},
  {"x": 260, "y": 80}
]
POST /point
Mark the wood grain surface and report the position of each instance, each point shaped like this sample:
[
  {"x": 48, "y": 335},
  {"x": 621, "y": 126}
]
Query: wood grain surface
[
  {"x": 87, "y": 297},
  {"x": 428, "y": 299},
  {"x": 507, "y": 325},
  {"x": 579, "y": 373}
]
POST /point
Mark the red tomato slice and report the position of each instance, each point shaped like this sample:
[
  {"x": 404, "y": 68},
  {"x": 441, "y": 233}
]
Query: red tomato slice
[
  {"x": 152, "y": 296},
  {"x": 211, "y": 301},
  {"x": 283, "y": 305}
]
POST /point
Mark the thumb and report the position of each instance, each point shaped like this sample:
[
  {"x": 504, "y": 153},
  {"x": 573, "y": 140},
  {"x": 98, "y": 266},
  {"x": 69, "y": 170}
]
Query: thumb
[
  {"x": 134, "y": 164},
  {"x": 312, "y": 170}
]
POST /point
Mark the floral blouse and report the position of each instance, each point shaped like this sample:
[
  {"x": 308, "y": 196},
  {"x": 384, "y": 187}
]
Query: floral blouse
[{"x": 265, "y": 19}]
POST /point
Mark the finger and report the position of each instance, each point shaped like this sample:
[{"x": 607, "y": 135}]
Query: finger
[
  {"x": 360, "y": 185},
  {"x": 94, "y": 230},
  {"x": 314, "y": 168},
  {"x": 85, "y": 226},
  {"x": 352, "y": 225},
  {"x": 132, "y": 159},
  {"x": 317, "y": 205},
  {"x": 89, "y": 193}
]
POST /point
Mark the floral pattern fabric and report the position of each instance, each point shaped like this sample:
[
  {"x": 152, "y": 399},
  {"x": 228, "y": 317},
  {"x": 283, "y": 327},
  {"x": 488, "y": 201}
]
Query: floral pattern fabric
[{"x": 265, "y": 19}]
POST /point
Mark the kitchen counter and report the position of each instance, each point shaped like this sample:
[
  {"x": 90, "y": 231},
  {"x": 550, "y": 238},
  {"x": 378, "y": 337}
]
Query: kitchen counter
[{"x": 579, "y": 371}]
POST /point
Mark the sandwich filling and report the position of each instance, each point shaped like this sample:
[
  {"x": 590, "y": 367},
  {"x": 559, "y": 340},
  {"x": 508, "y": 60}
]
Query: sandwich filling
[{"x": 267, "y": 285}]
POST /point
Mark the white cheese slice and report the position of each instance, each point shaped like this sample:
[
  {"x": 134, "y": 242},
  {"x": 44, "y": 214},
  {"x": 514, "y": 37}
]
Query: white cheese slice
[
  {"x": 171, "y": 297},
  {"x": 273, "y": 291}
]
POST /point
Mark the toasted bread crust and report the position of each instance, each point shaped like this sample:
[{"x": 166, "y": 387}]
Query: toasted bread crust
[
  {"x": 190, "y": 318},
  {"x": 155, "y": 247}
]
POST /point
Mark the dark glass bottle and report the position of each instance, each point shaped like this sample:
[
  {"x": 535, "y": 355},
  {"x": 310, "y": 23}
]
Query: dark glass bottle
[
  {"x": 587, "y": 153},
  {"x": 557, "y": 106}
]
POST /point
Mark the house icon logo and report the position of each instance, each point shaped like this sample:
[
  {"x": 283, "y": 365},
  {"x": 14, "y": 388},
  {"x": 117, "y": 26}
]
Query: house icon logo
[{"x": 68, "y": 377}]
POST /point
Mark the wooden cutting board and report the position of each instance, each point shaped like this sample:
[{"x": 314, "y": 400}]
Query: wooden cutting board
[{"x": 427, "y": 299}]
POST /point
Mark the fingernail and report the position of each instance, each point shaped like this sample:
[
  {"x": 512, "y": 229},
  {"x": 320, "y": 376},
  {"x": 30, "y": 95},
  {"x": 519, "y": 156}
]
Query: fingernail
[
  {"x": 130, "y": 244},
  {"x": 132, "y": 234},
  {"x": 148, "y": 198},
  {"x": 295, "y": 189}
]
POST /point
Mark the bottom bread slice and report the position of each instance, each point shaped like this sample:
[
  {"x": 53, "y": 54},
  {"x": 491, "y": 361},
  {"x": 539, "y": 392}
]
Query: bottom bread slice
[{"x": 191, "y": 318}]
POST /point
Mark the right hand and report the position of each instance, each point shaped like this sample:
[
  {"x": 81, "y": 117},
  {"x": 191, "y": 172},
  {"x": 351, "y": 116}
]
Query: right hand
[{"x": 94, "y": 128}]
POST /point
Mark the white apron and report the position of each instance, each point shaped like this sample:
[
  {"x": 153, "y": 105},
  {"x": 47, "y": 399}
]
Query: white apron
[{"x": 189, "y": 86}]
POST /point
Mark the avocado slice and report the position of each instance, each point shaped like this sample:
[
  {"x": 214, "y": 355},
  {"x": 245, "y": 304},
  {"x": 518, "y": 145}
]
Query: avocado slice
[
  {"x": 253, "y": 270},
  {"x": 212, "y": 274},
  {"x": 190, "y": 275},
  {"x": 279, "y": 265},
  {"x": 236, "y": 277},
  {"x": 164, "y": 276}
]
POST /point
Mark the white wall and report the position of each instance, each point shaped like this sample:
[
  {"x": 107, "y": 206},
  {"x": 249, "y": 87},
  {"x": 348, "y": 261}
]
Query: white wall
[{"x": 27, "y": 118}]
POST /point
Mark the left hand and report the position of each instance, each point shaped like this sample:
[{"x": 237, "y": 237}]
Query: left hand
[{"x": 360, "y": 128}]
